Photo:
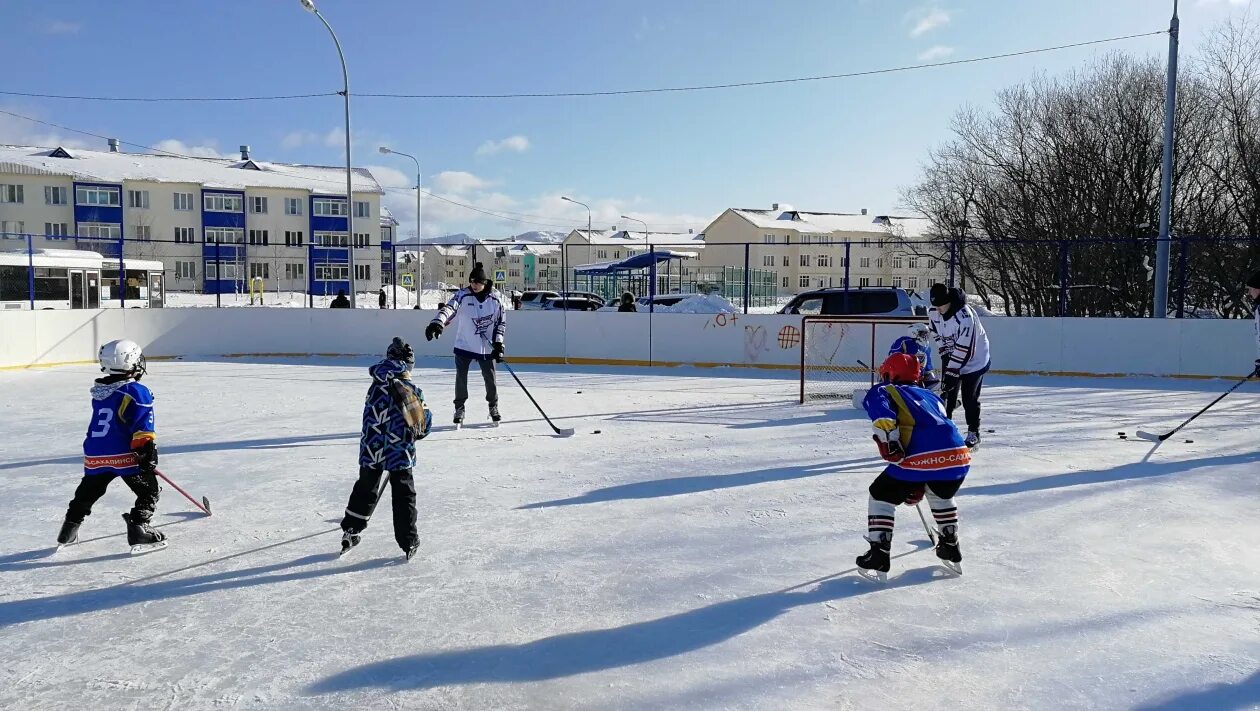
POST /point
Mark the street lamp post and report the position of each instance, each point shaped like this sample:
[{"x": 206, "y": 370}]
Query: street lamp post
[
  {"x": 564, "y": 272},
  {"x": 309, "y": 6},
  {"x": 646, "y": 240},
  {"x": 386, "y": 150}
]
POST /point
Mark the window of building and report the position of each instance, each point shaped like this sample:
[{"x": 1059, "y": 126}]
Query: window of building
[
  {"x": 896, "y": 281},
  {"x": 362, "y": 208},
  {"x": 218, "y": 202},
  {"x": 844, "y": 261},
  {"x": 879, "y": 262},
  {"x": 259, "y": 237},
  {"x": 221, "y": 270},
  {"x": 864, "y": 281},
  {"x": 769, "y": 239},
  {"x": 224, "y": 235},
  {"x": 864, "y": 262},
  {"x": 109, "y": 197},
  {"x": 55, "y": 195},
  {"x": 931, "y": 264},
  {"x": 100, "y": 230},
  {"x": 185, "y": 235},
  {"x": 183, "y": 201},
  {"x": 10, "y": 193},
  {"x": 330, "y": 239},
  {"x": 913, "y": 263},
  {"x": 804, "y": 281},
  {"x": 601, "y": 254},
  {"x": 879, "y": 281},
  {"x": 293, "y": 238},
  {"x": 824, "y": 260},
  {"x": 786, "y": 283},
  {"x": 259, "y": 269},
  {"x": 361, "y": 239},
  {"x": 913, "y": 282},
  {"x": 138, "y": 199},
  {"x": 896, "y": 262},
  {"x": 767, "y": 261},
  {"x": 331, "y": 272},
  {"x": 293, "y": 206},
  {"x": 363, "y": 272},
  {"x": 144, "y": 233},
  {"x": 805, "y": 260},
  {"x": 294, "y": 270},
  {"x": 258, "y": 205},
  {"x": 11, "y": 229},
  {"x": 56, "y": 229},
  {"x": 185, "y": 269},
  {"x": 329, "y": 207},
  {"x": 514, "y": 272}
]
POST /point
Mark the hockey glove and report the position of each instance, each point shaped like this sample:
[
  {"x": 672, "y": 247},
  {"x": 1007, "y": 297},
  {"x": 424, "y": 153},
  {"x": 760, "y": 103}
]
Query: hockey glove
[
  {"x": 1257, "y": 370},
  {"x": 497, "y": 352},
  {"x": 147, "y": 456},
  {"x": 433, "y": 331},
  {"x": 890, "y": 451},
  {"x": 915, "y": 495},
  {"x": 949, "y": 383}
]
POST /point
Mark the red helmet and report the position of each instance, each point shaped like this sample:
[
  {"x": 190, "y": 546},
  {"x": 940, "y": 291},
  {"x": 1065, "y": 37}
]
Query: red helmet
[{"x": 901, "y": 369}]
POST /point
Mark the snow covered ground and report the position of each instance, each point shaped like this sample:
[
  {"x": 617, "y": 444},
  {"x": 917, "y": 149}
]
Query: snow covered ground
[{"x": 696, "y": 554}]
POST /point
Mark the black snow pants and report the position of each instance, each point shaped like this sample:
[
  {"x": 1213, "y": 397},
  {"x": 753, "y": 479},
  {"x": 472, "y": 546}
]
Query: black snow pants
[
  {"x": 93, "y": 486},
  {"x": 363, "y": 501}
]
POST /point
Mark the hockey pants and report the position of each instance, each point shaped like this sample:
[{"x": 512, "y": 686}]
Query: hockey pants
[
  {"x": 461, "y": 379},
  {"x": 403, "y": 496},
  {"x": 970, "y": 385},
  {"x": 887, "y": 492},
  {"x": 93, "y": 486}
]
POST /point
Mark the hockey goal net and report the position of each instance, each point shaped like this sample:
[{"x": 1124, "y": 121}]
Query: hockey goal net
[{"x": 840, "y": 355}]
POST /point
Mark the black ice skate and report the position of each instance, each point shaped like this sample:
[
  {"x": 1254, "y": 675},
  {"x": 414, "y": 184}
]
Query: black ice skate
[
  {"x": 947, "y": 549},
  {"x": 459, "y": 416},
  {"x": 972, "y": 440},
  {"x": 411, "y": 552},
  {"x": 494, "y": 414},
  {"x": 69, "y": 533},
  {"x": 875, "y": 563},
  {"x": 142, "y": 537},
  {"x": 349, "y": 539}
]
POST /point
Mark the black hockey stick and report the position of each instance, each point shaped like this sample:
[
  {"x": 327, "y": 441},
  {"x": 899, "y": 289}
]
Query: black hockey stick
[
  {"x": 1151, "y": 437},
  {"x": 563, "y": 432}
]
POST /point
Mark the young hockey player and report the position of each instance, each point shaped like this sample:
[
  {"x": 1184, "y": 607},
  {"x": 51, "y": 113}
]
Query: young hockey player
[
  {"x": 394, "y": 417},
  {"x": 121, "y": 441},
  {"x": 964, "y": 354},
  {"x": 925, "y": 454},
  {"x": 917, "y": 344},
  {"x": 481, "y": 325}
]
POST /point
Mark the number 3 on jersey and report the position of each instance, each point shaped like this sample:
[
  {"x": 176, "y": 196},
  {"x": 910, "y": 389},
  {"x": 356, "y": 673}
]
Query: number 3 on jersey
[{"x": 104, "y": 417}]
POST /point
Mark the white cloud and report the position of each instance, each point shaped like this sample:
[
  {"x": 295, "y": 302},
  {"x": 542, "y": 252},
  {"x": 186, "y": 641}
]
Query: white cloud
[
  {"x": 457, "y": 182},
  {"x": 934, "y": 53},
  {"x": 513, "y": 144},
  {"x": 20, "y": 132},
  {"x": 333, "y": 138},
  {"x": 927, "y": 19},
  {"x": 207, "y": 149},
  {"x": 61, "y": 27}
]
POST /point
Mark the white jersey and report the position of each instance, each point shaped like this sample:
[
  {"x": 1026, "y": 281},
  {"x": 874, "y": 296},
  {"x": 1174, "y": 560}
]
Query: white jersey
[
  {"x": 964, "y": 344},
  {"x": 478, "y": 322},
  {"x": 1255, "y": 308}
]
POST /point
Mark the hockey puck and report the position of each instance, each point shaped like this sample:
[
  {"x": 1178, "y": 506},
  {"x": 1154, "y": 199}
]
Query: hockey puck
[
  {"x": 596, "y": 431},
  {"x": 1189, "y": 441},
  {"x": 990, "y": 431}
]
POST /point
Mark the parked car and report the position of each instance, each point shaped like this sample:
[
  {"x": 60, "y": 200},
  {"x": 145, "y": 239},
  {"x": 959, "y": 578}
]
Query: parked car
[
  {"x": 870, "y": 301},
  {"x": 647, "y": 303},
  {"x": 572, "y": 303},
  {"x": 536, "y": 299}
]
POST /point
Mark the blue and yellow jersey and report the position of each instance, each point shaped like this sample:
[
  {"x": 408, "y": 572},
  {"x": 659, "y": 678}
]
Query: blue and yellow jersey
[
  {"x": 911, "y": 347},
  {"x": 122, "y": 420},
  {"x": 934, "y": 447}
]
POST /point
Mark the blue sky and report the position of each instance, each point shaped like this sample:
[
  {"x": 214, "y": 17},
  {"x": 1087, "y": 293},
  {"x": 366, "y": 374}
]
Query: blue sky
[{"x": 673, "y": 159}]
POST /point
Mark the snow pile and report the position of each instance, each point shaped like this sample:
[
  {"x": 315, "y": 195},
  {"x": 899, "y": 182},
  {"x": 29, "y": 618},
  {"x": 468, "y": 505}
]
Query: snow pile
[{"x": 697, "y": 304}]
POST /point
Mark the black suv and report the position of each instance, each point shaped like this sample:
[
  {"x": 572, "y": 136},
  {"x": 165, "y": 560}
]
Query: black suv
[{"x": 882, "y": 301}]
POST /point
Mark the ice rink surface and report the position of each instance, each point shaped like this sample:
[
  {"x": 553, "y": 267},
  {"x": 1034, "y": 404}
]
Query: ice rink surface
[{"x": 696, "y": 554}]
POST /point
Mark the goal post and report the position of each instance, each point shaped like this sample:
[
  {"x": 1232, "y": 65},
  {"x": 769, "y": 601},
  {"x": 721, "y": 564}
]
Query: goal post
[{"x": 840, "y": 354}]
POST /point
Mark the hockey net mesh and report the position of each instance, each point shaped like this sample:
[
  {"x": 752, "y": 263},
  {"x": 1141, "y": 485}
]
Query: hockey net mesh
[{"x": 838, "y": 355}]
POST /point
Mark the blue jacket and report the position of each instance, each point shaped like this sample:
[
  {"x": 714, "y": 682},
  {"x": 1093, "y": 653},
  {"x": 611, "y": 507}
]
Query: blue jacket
[
  {"x": 934, "y": 447},
  {"x": 122, "y": 420},
  {"x": 387, "y": 441}
]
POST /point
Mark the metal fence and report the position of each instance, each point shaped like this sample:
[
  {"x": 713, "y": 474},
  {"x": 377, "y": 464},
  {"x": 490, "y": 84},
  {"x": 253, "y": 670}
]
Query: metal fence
[{"x": 1053, "y": 277}]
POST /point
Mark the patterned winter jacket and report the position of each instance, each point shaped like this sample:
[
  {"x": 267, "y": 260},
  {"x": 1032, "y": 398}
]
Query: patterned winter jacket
[{"x": 387, "y": 441}]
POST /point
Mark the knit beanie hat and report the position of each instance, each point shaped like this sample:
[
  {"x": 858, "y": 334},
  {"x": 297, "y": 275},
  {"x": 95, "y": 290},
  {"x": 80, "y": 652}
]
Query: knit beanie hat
[
  {"x": 939, "y": 295},
  {"x": 478, "y": 273}
]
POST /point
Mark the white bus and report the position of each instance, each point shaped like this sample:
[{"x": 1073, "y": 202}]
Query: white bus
[{"x": 77, "y": 279}]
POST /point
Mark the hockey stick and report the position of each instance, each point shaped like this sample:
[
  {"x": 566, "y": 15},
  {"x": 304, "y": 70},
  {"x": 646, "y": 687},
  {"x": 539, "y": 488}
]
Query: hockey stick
[
  {"x": 563, "y": 432},
  {"x": 204, "y": 504},
  {"x": 918, "y": 506},
  {"x": 1151, "y": 437}
]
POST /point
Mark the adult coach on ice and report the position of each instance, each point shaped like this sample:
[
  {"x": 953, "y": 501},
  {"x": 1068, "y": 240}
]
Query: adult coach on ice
[
  {"x": 481, "y": 321},
  {"x": 964, "y": 354}
]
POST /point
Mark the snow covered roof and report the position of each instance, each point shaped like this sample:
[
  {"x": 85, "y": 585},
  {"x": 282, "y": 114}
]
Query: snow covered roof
[
  {"x": 387, "y": 217},
  {"x": 223, "y": 173},
  {"x": 825, "y": 222},
  {"x": 448, "y": 251},
  {"x": 632, "y": 238}
]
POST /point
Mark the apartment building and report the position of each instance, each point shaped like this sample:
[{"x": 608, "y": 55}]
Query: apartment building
[
  {"x": 521, "y": 266},
  {"x": 216, "y": 224},
  {"x": 445, "y": 265},
  {"x": 808, "y": 250}
]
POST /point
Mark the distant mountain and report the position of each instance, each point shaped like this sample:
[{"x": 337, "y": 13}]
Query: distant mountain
[
  {"x": 458, "y": 238},
  {"x": 537, "y": 237}
]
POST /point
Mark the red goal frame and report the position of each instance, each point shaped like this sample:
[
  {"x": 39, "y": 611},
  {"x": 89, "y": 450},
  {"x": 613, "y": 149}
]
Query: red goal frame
[{"x": 871, "y": 321}]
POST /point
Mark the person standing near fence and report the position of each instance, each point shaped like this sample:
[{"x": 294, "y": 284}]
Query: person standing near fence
[
  {"x": 627, "y": 304},
  {"x": 1253, "y": 290},
  {"x": 964, "y": 349},
  {"x": 480, "y": 325}
]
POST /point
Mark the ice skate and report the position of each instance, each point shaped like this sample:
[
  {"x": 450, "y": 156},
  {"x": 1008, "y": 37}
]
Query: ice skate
[
  {"x": 972, "y": 440},
  {"x": 459, "y": 417},
  {"x": 947, "y": 549},
  {"x": 142, "y": 537},
  {"x": 875, "y": 563},
  {"x": 411, "y": 552},
  {"x": 69, "y": 533},
  {"x": 349, "y": 539},
  {"x": 494, "y": 415}
]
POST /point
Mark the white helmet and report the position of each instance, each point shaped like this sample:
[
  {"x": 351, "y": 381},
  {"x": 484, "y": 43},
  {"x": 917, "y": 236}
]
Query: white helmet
[
  {"x": 123, "y": 357},
  {"x": 920, "y": 333}
]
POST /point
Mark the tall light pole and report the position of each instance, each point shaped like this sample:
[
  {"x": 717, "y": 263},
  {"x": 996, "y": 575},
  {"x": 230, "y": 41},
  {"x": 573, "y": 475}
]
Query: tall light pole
[
  {"x": 564, "y": 272},
  {"x": 309, "y": 6},
  {"x": 386, "y": 150},
  {"x": 1165, "y": 184},
  {"x": 641, "y": 222}
]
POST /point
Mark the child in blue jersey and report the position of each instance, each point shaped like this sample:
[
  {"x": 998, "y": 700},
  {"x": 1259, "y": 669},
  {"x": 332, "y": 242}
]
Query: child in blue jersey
[
  {"x": 394, "y": 418},
  {"x": 917, "y": 344},
  {"x": 121, "y": 441},
  {"x": 925, "y": 454}
]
